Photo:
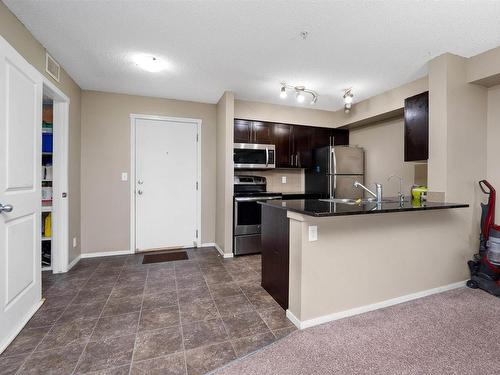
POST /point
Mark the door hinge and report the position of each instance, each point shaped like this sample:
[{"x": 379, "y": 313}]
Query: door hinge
[
  {"x": 196, "y": 185},
  {"x": 196, "y": 233},
  {"x": 196, "y": 137}
]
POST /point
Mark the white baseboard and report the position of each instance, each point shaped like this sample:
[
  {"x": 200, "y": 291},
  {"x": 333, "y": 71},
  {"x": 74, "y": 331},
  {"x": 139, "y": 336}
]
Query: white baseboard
[
  {"x": 208, "y": 244},
  {"x": 106, "y": 254},
  {"x": 367, "y": 308},
  {"x": 5, "y": 342},
  {"x": 74, "y": 262},
  {"x": 222, "y": 253}
]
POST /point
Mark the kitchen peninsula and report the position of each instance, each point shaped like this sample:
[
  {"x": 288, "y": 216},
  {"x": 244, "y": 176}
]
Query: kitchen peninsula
[{"x": 323, "y": 260}]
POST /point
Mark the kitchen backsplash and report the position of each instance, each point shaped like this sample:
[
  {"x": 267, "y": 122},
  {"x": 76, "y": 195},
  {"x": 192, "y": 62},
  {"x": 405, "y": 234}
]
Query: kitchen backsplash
[{"x": 294, "y": 179}]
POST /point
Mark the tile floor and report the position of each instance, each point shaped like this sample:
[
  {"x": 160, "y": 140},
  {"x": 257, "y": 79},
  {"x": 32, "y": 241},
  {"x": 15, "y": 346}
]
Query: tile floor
[{"x": 116, "y": 316}]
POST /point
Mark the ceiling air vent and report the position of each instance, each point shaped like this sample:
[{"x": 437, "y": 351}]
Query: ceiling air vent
[{"x": 52, "y": 67}]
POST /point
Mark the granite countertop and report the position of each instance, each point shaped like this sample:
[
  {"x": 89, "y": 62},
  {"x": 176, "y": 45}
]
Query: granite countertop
[
  {"x": 297, "y": 193},
  {"x": 319, "y": 208}
]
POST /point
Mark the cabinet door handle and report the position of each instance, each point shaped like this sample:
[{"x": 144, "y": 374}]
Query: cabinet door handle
[
  {"x": 291, "y": 160},
  {"x": 298, "y": 159}
]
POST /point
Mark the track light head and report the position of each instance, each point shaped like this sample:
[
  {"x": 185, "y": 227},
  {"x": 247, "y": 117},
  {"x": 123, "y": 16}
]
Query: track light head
[{"x": 283, "y": 92}]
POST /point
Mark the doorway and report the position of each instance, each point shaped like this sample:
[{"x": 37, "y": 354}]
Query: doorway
[
  {"x": 54, "y": 180},
  {"x": 165, "y": 183}
]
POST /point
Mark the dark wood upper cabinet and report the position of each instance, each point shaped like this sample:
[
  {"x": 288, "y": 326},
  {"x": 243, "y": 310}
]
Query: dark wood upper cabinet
[
  {"x": 294, "y": 143},
  {"x": 246, "y": 131},
  {"x": 416, "y": 119},
  {"x": 302, "y": 142},
  {"x": 242, "y": 131},
  {"x": 283, "y": 142},
  {"x": 262, "y": 132},
  {"x": 340, "y": 137}
]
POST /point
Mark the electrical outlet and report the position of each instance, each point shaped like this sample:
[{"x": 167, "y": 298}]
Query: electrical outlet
[
  {"x": 124, "y": 176},
  {"x": 74, "y": 241},
  {"x": 283, "y": 179},
  {"x": 313, "y": 232}
]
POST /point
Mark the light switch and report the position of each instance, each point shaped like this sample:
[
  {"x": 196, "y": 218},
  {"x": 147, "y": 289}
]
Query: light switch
[
  {"x": 124, "y": 176},
  {"x": 313, "y": 233},
  {"x": 283, "y": 179},
  {"x": 74, "y": 241}
]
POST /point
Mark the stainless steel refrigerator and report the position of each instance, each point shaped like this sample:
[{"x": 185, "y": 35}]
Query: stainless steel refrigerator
[{"x": 335, "y": 168}]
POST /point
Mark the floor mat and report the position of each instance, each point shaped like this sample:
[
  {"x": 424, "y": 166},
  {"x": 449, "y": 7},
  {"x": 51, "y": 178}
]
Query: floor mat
[{"x": 164, "y": 257}]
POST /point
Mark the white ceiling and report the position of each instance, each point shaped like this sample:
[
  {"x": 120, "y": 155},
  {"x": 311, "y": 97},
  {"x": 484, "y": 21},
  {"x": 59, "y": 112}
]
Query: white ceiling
[{"x": 249, "y": 47}]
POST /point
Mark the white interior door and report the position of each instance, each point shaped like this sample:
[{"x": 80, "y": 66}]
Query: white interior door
[
  {"x": 166, "y": 172},
  {"x": 20, "y": 154}
]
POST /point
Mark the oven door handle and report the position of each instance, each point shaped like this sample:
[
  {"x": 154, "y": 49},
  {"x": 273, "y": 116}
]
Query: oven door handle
[{"x": 255, "y": 199}]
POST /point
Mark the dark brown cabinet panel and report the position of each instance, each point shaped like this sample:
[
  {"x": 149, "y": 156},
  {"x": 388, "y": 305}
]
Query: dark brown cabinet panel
[
  {"x": 326, "y": 136},
  {"x": 283, "y": 142},
  {"x": 416, "y": 116},
  {"x": 262, "y": 132},
  {"x": 321, "y": 137},
  {"x": 340, "y": 137},
  {"x": 302, "y": 141},
  {"x": 294, "y": 143},
  {"x": 246, "y": 131},
  {"x": 275, "y": 254},
  {"x": 242, "y": 131}
]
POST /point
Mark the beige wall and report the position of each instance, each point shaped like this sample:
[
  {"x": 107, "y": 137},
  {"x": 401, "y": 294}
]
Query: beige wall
[
  {"x": 484, "y": 69},
  {"x": 368, "y": 110},
  {"x": 457, "y": 148},
  {"x": 493, "y": 142},
  {"x": 377, "y": 106},
  {"x": 279, "y": 113},
  {"x": 224, "y": 196},
  {"x": 23, "y": 41},
  {"x": 365, "y": 259},
  {"x": 106, "y": 154},
  {"x": 384, "y": 155}
]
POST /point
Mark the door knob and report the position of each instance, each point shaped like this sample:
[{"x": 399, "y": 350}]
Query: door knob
[
  {"x": 6, "y": 208},
  {"x": 139, "y": 192},
  {"x": 140, "y": 182}
]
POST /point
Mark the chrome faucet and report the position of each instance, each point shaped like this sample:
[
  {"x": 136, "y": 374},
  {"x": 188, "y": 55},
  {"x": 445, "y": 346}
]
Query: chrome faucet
[
  {"x": 377, "y": 195},
  {"x": 400, "y": 194}
]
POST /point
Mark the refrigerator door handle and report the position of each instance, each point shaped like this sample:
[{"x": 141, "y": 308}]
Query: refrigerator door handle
[{"x": 333, "y": 160}]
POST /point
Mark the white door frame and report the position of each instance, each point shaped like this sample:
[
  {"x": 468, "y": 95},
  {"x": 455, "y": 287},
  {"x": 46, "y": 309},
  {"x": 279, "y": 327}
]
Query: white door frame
[
  {"x": 133, "y": 118},
  {"x": 60, "y": 205}
]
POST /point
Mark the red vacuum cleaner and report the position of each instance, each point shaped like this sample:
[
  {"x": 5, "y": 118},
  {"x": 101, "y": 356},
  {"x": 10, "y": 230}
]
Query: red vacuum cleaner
[{"x": 485, "y": 268}]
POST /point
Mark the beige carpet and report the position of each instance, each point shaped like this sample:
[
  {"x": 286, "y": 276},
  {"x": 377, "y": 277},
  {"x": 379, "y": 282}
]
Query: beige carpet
[{"x": 456, "y": 332}]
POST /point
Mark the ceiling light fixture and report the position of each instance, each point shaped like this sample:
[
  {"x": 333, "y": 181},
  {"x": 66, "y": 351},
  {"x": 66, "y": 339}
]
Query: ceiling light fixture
[
  {"x": 299, "y": 93},
  {"x": 149, "y": 63},
  {"x": 283, "y": 92},
  {"x": 300, "y": 97},
  {"x": 348, "y": 99}
]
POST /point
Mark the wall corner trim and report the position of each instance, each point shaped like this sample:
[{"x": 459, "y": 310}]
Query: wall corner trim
[
  {"x": 302, "y": 324},
  {"x": 222, "y": 253}
]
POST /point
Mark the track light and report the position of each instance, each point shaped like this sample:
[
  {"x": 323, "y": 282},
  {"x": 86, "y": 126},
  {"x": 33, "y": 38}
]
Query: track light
[
  {"x": 300, "y": 92},
  {"x": 348, "y": 99},
  {"x": 300, "y": 97},
  {"x": 283, "y": 92}
]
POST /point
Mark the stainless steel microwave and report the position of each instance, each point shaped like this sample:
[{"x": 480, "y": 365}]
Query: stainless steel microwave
[{"x": 254, "y": 156}]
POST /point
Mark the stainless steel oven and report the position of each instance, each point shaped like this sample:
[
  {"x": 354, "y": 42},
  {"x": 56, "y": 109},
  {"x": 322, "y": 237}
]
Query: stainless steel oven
[
  {"x": 254, "y": 156},
  {"x": 249, "y": 190}
]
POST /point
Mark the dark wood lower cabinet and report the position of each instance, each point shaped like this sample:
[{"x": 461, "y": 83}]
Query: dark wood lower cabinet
[{"x": 275, "y": 253}]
